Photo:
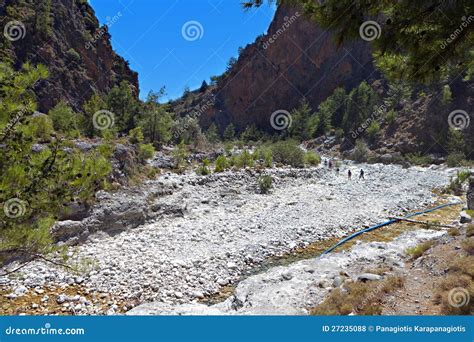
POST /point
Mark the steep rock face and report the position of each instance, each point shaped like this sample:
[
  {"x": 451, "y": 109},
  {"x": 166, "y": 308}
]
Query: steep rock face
[
  {"x": 65, "y": 36},
  {"x": 295, "y": 59}
]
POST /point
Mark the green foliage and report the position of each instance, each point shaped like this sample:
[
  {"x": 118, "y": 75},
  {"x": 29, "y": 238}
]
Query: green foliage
[
  {"x": 44, "y": 19},
  {"x": 180, "y": 155},
  {"x": 312, "y": 158},
  {"x": 212, "y": 133},
  {"x": 145, "y": 152},
  {"x": 221, "y": 164},
  {"x": 156, "y": 121},
  {"x": 360, "y": 105},
  {"x": 64, "y": 119},
  {"x": 91, "y": 107},
  {"x": 397, "y": 94},
  {"x": 39, "y": 126},
  {"x": 288, "y": 152},
  {"x": 229, "y": 132},
  {"x": 203, "y": 170},
  {"x": 391, "y": 116},
  {"x": 245, "y": 160},
  {"x": 135, "y": 135},
  {"x": 418, "y": 159},
  {"x": 455, "y": 141},
  {"x": 251, "y": 133},
  {"x": 37, "y": 184},
  {"x": 265, "y": 183},
  {"x": 455, "y": 159},
  {"x": 373, "y": 129},
  {"x": 432, "y": 42},
  {"x": 447, "y": 95},
  {"x": 301, "y": 128},
  {"x": 124, "y": 105},
  {"x": 73, "y": 56}
]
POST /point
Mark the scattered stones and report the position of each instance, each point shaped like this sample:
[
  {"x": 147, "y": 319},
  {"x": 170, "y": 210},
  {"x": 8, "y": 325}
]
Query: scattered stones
[{"x": 156, "y": 242}]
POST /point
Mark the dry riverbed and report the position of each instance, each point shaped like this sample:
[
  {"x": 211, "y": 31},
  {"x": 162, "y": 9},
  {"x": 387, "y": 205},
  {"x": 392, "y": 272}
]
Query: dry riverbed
[{"x": 183, "y": 238}]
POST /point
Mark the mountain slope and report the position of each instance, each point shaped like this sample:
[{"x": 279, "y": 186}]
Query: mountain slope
[
  {"x": 65, "y": 36},
  {"x": 295, "y": 59}
]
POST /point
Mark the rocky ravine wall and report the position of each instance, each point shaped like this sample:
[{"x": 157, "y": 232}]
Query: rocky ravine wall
[
  {"x": 295, "y": 59},
  {"x": 75, "y": 49}
]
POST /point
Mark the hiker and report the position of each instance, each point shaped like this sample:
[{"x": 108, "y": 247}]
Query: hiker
[
  {"x": 330, "y": 164},
  {"x": 361, "y": 175},
  {"x": 349, "y": 174}
]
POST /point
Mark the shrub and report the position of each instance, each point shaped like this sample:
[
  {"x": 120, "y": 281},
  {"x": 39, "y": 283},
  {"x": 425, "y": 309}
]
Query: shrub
[
  {"x": 221, "y": 164},
  {"x": 417, "y": 159},
  {"x": 455, "y": 159},
  {"x": 203, "y": 170},
  {"x": 468, "y": 247},
  {"x": 360, "y": 151},
  {"x": 64, "y": 119},
  {"x": 41, "y": 127},
  {"x": 245, "y": 160},
  {"x": 136, "y": 135},
  {"x": 265, "y": 183},
  {"x": 312, "y": 158},
  {"x": 373, "y": 129},
  {"x": 180, "y": 155},
  {"x": 73, "y": 55},
  {"x": 288, "y": 152},
  {"x": 418, "y": 251},
  {"x": 146, "y": 151},
  {"x": 229, "y": 132},
  {"x": 391, "y": 116}
]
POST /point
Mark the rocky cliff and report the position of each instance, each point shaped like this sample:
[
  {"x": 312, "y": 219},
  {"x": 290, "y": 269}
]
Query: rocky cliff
[
  {"x": 295, "y": 59},
  {"x": 65, "y": 36}
]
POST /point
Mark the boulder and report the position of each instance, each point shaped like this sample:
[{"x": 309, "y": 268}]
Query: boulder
[
  {"x": 465, "y": 218},
  {"x": 364, "y": 277}
]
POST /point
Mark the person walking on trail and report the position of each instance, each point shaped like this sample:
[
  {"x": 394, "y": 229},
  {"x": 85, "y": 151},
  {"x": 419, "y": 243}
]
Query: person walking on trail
[
  {"x": 330, "y": 164},
  {"x": 349, "y": 174},
  {"x": 361, "y": 175}
]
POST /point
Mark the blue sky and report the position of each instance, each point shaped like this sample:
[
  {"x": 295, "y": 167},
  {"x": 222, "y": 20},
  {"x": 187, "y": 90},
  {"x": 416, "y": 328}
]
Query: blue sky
[{"x": 149, "y": 34}]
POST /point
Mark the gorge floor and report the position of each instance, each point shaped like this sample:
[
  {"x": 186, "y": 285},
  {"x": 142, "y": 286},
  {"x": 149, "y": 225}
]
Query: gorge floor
[{"x": 224, "y": 229}]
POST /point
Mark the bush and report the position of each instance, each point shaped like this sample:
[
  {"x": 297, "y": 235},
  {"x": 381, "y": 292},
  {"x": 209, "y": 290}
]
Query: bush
[
  {"x": 418, "y": 251},
  {"x": 203, "y": 170},
  {"x": 221, "y": 164},
  {"x": 391, "y": 116},
  {"x": 245, "y": 160},
  {"x": 64, "y": 119},
  {"x": 41, "y": 127},
  {"x": 455, "y": 159},
  {"x": 288, "y": 152},
  {"x": 265, "y": 183},
  {"x": 136, "y": 135},
  {"x": 360, "y": 151},
  {"x": 146, "y": 151},
  {"x": 418, "y": 159},
  {"x": 73, "y": 55},
  {"x": 180, "y": 155},
  {"x": 373, "y": 129},
  {"x": 312, "y": 158}
]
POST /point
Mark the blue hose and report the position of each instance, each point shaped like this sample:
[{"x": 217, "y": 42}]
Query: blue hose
[{"x": 350, "y": 237}]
